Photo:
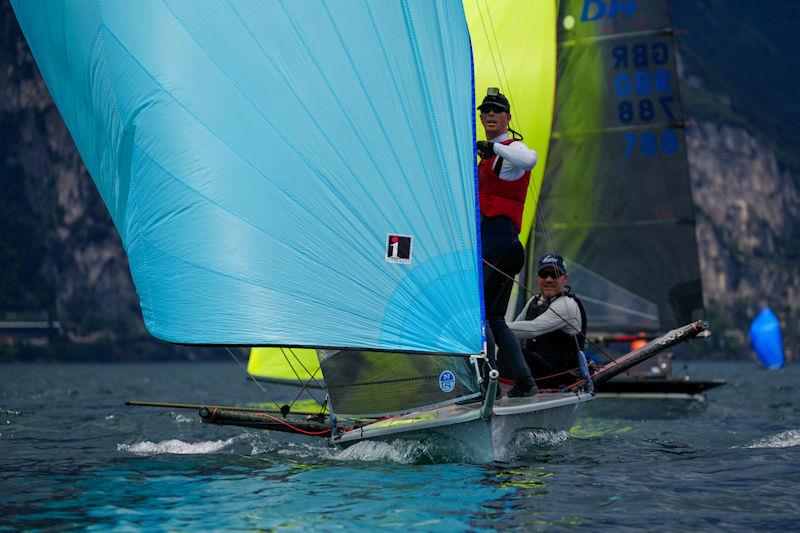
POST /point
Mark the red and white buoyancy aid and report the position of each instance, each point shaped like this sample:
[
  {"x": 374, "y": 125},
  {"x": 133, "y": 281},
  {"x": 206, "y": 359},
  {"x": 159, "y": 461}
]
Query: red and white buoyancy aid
[{"x": 500, "y": 197}]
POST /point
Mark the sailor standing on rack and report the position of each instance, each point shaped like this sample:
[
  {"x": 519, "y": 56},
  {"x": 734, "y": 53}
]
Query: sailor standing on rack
[
  {"x": 552, "y": 326},
  {"x": 503, "y": 175}
]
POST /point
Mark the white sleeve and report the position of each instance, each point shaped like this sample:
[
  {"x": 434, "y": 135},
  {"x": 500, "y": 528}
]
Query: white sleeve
[
  {"x": 563, "y": 313},
  {"x": 517, "y": 159}
]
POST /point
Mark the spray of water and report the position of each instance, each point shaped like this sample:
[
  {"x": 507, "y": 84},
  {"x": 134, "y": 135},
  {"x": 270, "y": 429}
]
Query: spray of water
[
  {"x": 175, "y": 446},
  {"x": 397, "y": 451},
  {"x": 785, "y": 439},
  {"x": 530, "y": 441}
]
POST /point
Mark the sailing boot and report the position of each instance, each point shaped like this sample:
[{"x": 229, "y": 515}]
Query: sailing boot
[{"x": 523, "y": 387}]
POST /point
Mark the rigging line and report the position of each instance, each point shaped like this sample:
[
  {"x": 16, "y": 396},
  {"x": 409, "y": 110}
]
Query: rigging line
[
  {"x": 548, "y": 246},
  {"x": 503, "y": 78},
  {"x": 486, "y": 34},
  {"x": 551, "y": 376},
  {"x": 500, "y": 55},
  {"x": 297, "y": 429},
  {"x": 527, "y": 290},
  {"x": 541, "y": 221},
  {"x": 267, "y": 394},
  {"x": 306, "y": 389},
  {"x": 297, "y": 375}
]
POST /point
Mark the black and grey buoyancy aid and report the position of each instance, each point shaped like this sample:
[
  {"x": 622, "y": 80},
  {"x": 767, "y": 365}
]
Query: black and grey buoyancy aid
[{"x": 557, "y": 345}]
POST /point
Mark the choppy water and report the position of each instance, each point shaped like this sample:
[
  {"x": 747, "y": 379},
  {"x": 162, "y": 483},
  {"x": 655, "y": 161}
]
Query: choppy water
[{"x": 72, "y": 456}]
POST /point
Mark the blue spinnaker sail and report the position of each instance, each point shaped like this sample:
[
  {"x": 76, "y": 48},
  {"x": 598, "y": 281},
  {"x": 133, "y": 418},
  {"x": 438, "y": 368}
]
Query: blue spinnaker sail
[
  {"x": 281, "y": 173},
  {"x": 765, "y": 338}
]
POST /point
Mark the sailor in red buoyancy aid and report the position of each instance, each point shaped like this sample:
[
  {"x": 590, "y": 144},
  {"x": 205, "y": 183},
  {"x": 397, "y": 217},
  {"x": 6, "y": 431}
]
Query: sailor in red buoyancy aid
[{"x": 503, "y": 175}]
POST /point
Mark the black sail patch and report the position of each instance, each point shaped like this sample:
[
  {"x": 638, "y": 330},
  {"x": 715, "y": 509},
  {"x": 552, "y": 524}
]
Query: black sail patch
[{"x": 398, "y": 248}]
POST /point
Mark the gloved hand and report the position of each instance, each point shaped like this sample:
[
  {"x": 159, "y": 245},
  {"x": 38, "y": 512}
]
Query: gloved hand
[{"x": 485, "y": 149}]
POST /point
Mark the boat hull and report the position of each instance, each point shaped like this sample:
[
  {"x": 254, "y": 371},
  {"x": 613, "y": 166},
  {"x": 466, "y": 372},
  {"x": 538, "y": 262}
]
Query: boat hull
[
  {"x": 657, "y": 388},
  {"x": 514, "y": 424}
]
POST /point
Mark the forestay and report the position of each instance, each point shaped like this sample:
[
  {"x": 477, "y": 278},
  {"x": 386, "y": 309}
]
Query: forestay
[{"x": 281, "y": 173}]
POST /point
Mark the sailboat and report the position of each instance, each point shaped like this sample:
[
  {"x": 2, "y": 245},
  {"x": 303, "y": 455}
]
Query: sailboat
[
  {"x": 616, "y": 199},
  {"x": 766, "y": 339},
  {"x": 301, "y": 175}
]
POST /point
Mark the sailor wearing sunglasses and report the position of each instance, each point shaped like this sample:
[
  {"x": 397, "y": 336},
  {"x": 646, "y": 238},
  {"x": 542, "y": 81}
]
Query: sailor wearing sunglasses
[
  {"x": 503, "y": 175},
  {"x": 552, "y": 326}
]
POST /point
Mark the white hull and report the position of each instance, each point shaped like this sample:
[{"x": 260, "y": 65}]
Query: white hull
[{"x": 484, "y": 440}]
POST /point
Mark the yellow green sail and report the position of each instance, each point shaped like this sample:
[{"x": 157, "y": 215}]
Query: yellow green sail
[
  {"x": 514, "y": 48},
  {"x": 289, "y": 365}
]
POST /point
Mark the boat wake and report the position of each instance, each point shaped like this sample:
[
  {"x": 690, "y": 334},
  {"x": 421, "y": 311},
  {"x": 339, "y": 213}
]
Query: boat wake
[
  {"x": 174, "y": 446},
  {"x": 786, "y": 439},
  {"x": 530, "y": 441},
  {"x": 430, "y": 450},
  {"x": 397, "y": 451}
]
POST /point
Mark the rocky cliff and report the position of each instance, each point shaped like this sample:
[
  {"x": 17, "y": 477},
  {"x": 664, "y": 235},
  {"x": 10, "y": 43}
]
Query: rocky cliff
[
  {"x": 61, "y": 255},
  {"x": 748, "y": 217}
]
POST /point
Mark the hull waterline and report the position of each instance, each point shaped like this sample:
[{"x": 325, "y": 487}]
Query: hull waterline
[{"x": 513, "y": 424}]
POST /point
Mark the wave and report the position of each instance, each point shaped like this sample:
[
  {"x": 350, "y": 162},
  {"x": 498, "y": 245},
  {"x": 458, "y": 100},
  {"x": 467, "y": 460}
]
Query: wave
[
  {"x": 175, "y": 446},
  {"x": 397, "y": 451},
  {"x": 786, "y": 439},
  {"x": 531, "y": 441},
  {"x": 432, "y": 449}
]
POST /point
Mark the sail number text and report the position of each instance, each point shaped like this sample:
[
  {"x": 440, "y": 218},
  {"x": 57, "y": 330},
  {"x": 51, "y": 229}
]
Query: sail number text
[
  {"x": 650, "y": 143},
  {"x": 642, "y": 82},
  {"x": 645, "y": 90}
]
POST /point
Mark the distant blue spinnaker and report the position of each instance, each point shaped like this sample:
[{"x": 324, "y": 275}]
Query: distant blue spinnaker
[
  {"x": 280, "y": 173},
  {"x": 765, "y": 338}
]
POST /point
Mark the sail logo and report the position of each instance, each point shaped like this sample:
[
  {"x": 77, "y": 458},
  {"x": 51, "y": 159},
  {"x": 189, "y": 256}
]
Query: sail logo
[
  {"x": 447, "y": 381},
  {"x": 398, "y": 248},
  {"x": 597, "y": 9}
]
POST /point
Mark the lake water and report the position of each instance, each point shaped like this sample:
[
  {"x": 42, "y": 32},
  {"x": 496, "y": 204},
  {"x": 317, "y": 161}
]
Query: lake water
[{"x": 72, "y": 456}]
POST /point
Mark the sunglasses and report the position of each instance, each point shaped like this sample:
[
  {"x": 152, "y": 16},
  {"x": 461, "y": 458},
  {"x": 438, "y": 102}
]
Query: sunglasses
[
  {"x": 492, "y": 109},
  {"x": 549, "y": 274}
]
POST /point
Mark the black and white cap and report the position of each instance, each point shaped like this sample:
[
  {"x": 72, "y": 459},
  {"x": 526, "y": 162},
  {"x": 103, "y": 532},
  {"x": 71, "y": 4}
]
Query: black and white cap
[{"x": 554, "y": 261}]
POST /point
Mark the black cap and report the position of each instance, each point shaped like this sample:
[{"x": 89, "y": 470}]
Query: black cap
[
  {"x": 495, "y": 97},
  {"x": 553, "y": 261}
]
